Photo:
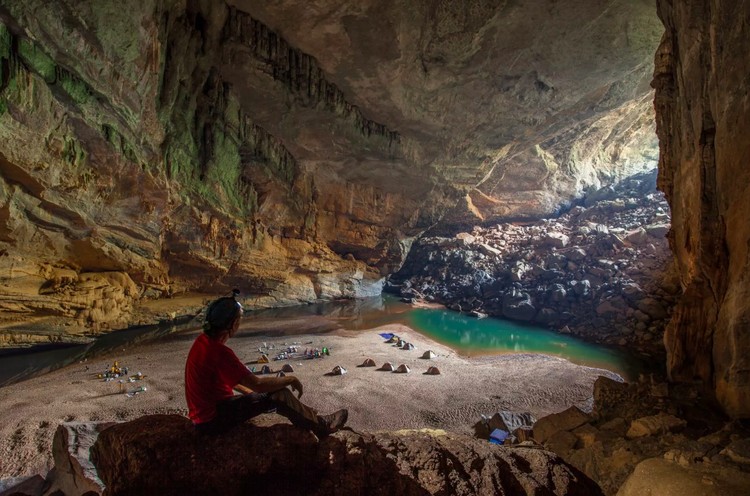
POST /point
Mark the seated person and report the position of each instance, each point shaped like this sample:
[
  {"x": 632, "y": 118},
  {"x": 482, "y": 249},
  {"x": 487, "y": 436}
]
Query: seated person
[{"x": 212, "y": 371}]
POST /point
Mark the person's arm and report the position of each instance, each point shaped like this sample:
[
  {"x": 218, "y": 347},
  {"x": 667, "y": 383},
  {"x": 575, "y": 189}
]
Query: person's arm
[
  {"x": 268, "y": 384},
  {"x": 242, "y": 389}
]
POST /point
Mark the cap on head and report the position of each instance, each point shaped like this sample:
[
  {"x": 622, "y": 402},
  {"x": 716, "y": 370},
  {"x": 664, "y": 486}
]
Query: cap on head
[{"x": 221, "y": 315}]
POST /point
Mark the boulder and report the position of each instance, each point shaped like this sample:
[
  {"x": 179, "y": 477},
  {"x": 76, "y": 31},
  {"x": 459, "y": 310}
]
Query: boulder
[
  {"x": 566, "y": 420},
  {"x": 556, "y": 240},
  {"x": 160, "y": 454},
  {"x": 576, "y": 254},
  {"x": 637, "y": 237},
  {"x": 489, "y": 250},
  {"x": 587, "y": 435},
  {"x": 23, "y": 486},
  {"x": 655, "y": 424},
  {"x": 465, "y": 238},
  {"x": 653, "y": 308},
  {"x": 74, "y": 473},
  {"x": 659, "y": 477},
  {"x": 657, "y": 230},
  {"x": 738, "y": 451},
  {"x": 518, "y": 308}
]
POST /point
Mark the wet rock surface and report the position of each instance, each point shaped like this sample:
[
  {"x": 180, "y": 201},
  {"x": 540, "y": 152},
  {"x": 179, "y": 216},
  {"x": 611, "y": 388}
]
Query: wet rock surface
[{"x": 600, "y": 271}]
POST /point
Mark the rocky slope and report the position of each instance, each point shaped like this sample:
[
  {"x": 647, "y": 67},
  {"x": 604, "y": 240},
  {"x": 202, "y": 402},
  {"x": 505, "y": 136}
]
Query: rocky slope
[
  {"x": 160, "y": 454},
  {"x": 293, "y": 149},
  {"x": 650, "y": 437},
  {"x": 702, "y": 108},
  {"x": 601, "y": 270}
]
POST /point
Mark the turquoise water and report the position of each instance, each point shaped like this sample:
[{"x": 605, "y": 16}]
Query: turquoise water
[
  {"x": 466, "y": 335},
  {"x": 470, "y": 336}
]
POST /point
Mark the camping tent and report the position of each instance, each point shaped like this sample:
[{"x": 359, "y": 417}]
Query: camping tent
[
  {"x": 403, "y": 369},
  {"x": 433, "y": 371},
  {"x": 369, "y": 362},
  {"x": 338, "y": 370},
  {"x": 407, "y": 346},
  {"x": 387, "y": 366},
  {"x": 428, "y": 354},
  {"x": 287, "y": 368}
]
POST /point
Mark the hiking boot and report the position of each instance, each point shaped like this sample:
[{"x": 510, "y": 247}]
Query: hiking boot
[{"x": 328, "y": 424}]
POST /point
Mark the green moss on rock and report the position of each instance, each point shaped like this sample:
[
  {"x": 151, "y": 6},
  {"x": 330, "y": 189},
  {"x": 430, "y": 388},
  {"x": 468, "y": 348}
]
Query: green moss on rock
[
  {"x": 37, "y": 61},
  {"x": 74, "y": 86},
  {"x": 225, "y": 170}
]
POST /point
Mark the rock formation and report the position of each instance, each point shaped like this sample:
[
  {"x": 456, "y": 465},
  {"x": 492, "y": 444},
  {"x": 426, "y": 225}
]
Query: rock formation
[
  {"x": 291, "y": 149},
  {"x": 601, "y": 270},
  {"x": 702, "y": 109},
  {"x": 159, "y": 454},
  {"x": 651, "y": 438}
]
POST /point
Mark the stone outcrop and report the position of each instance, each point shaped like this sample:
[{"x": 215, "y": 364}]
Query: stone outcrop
[
  {"x": 289, "y": 150},
  {"x": 701, "y": 80},
  {"x": 73, "y": 472},
  {"x": 668, "y": 478},
  {"x": 600, "y": 270},
  {"x": 160, "y": 454},
  {"x": 650, "y": 437}
]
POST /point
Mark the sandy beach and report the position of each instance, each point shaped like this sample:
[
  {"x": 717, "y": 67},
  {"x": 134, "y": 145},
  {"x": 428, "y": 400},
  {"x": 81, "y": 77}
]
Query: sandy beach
[{"x": 377, "y": 400}]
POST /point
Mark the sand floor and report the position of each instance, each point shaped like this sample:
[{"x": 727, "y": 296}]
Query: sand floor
[{"x": 377, "y": 400}]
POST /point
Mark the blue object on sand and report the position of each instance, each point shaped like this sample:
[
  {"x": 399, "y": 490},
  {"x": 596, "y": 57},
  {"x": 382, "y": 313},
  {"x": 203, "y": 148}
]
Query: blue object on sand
[
  {"x": 498, "y": 436},
  {"x": 386, "y": 335}
]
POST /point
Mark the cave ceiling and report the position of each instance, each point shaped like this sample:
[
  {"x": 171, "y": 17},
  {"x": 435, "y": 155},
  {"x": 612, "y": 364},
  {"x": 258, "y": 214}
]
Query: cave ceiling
[
  {"x": 528, "y": 102},
  {"x": 297, "y": 147}
]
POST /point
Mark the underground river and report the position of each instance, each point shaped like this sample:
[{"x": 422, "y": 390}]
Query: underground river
[{"x": 466, "y": 335}]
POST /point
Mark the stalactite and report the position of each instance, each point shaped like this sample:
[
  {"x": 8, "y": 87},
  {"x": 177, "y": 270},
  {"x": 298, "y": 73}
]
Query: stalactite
[
  {"x": 301, "y": 75},
  {"x": 5, "y": 51},
  {"x": 270, "y": 148}
]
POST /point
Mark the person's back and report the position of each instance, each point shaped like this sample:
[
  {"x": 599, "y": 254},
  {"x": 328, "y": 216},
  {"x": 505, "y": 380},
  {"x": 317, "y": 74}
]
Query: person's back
[{"x": 213, "y": 371}]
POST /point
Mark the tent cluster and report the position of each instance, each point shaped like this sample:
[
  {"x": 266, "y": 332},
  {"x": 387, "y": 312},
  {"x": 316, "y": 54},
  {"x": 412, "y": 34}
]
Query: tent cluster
[{"x": 293, "y": 353}]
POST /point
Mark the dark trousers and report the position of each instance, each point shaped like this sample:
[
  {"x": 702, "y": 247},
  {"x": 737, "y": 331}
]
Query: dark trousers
[{"x": 238, "y": 409}]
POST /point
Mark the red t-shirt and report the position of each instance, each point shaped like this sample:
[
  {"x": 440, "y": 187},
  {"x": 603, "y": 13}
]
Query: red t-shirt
[{"x": 211, "y": 371}]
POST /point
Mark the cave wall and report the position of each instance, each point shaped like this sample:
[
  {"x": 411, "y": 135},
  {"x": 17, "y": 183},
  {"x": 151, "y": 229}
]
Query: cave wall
[
  {"x": 293, "y": 149},
  {"x": 702, "y": 78}
]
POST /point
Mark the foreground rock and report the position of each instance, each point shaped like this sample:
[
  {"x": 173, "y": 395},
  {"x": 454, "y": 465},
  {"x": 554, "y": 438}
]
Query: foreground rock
[
  {"x": 602, "y": 270},
  {"x": 159, "y": 454},
  {"x": 73, "y": 472},
  {"x": 651, "y": 438}
]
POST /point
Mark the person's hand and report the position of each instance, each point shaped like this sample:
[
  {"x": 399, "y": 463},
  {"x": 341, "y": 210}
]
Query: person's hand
[{"x": 296, "y": 386}]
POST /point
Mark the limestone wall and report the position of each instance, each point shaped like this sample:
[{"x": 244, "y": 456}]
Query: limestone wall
[
  {"x": 292, "y": 149},
  {"x": 703, "y": 114}
]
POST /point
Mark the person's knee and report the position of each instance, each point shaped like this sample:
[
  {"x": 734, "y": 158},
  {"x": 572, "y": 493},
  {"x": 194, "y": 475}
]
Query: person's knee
[{"x": 282, "y": 395}]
